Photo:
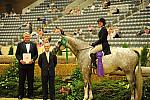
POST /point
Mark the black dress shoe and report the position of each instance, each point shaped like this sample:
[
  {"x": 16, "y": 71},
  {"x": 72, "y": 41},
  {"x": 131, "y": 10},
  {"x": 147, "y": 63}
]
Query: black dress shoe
[
  {"x": 44, "y": 98},
  {"x": 31, "y": 97},
  {"x": 20, "y": 97}
]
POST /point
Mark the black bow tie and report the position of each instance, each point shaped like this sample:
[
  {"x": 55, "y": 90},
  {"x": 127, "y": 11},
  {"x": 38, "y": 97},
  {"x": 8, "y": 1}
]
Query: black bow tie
[{"x": 27, "y": 42}]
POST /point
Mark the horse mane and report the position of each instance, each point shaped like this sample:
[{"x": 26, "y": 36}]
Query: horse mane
[{"x": 78, "y": 43}]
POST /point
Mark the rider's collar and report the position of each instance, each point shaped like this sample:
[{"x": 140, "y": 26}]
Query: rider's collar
[{"x": 101, "y": 28}]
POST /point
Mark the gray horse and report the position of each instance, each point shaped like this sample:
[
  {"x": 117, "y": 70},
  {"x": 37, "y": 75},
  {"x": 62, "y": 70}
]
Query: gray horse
[{"x": 124, "y": 59}]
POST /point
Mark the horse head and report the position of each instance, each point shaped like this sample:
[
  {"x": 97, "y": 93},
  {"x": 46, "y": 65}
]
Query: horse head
[{"x": 75, "y": 45}]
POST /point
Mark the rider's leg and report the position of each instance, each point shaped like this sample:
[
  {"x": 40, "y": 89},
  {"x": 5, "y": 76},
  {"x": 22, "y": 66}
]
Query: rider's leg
[
  {"x": 93, "y": 54},
  {"x": 96, "y": 49},
  {"x": 93, "y": 60}
]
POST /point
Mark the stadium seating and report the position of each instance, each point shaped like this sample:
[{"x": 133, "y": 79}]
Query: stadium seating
[{"x": 128, "y": 24}]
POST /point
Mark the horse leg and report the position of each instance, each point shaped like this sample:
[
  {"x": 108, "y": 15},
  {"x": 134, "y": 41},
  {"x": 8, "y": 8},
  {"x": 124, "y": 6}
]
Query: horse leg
[
  {"x": 87, "y": 77},
  {"x": 90, "y": 89},
  {"x": 86, "y": 87},
  {"x": 139, "y": 83},
  {"x": 130, "y": 78}
]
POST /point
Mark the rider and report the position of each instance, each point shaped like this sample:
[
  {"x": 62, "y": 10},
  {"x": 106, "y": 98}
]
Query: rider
[{"x": 102, "y": 43}]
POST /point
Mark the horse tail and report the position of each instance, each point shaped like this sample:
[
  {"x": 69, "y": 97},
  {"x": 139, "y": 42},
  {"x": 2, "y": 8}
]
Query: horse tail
[{"x": 138, "y": 79}]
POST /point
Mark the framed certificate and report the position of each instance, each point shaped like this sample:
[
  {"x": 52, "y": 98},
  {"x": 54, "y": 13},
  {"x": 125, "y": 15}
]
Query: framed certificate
[{"x": 27, "y": 57}]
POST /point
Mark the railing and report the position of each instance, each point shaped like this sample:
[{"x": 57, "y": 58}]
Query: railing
[
  {"x": 86, "y": 4},
  {"x": 79, "y": 3},
  {"x": 74, "y": 4}
]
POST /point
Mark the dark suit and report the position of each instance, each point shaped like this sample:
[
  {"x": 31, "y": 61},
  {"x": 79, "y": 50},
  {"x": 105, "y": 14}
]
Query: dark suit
[
  {"x": 103, "y": 33},
  {"x": 48, "y": 74},
  {"x": 26, "y": 70}
]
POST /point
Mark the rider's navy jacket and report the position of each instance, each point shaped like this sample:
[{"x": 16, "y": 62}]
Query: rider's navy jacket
[{"x": 103, "y": 33}]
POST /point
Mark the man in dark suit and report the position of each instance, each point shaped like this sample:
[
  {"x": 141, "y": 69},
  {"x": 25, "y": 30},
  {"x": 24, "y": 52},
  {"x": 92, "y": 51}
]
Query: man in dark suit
[
  {"x": 101, "y": 44},
  {"x": 47, "y": 62},
  {"x": 26, "y": 66}
]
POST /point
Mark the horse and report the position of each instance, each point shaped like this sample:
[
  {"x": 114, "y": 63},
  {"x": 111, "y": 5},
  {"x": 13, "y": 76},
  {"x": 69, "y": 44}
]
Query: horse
[{"x": 124, "y": 59}]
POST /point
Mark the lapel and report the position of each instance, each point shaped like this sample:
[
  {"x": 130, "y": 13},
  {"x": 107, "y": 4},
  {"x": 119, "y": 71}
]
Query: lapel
[
  {"x": 100, "y": 32},
  {"x": 45, "y": 57},
  {"x": 30, "y": 47},
  {"x": 24, "y": 46},
  {"x": 49, "y": 57}
]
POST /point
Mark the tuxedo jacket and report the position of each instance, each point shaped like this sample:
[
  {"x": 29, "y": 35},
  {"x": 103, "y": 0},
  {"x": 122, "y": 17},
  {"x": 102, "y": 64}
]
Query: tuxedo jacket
[
  {"x": 103, "y": 33},
  {"x": 21, "y": 48},
  {"x": 47, "y": 66}
]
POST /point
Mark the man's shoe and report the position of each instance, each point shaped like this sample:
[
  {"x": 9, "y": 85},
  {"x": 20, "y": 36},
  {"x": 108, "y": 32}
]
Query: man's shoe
[
  {"x": 31, "y": 97},
  {"x": 44, "y": 98},
  {"x": 20, "y": 97}
]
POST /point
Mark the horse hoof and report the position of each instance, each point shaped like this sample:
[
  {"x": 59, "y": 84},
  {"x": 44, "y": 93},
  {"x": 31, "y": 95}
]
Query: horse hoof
[
  {"x": 85, "y": 98},
  {"x": 90, "y": 98}
]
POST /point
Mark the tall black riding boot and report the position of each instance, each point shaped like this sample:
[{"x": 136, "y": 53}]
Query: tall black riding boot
[{"x": 93, "y": 60}]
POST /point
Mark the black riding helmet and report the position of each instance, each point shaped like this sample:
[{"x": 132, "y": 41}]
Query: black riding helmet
[{"x": 102, "y": 20}]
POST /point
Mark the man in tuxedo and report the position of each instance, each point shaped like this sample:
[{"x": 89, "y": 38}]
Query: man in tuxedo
[
  {"x": 26, "y": 66},
  {"x": 47, "y": 62}
]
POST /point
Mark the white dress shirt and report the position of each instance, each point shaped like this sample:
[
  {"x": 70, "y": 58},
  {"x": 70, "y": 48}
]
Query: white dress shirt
[
  {"x": 47, "y": 56},
  {"x": 28, "y": 47}
]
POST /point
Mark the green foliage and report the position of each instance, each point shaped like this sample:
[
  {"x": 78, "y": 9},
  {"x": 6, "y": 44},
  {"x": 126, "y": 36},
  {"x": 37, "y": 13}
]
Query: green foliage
[
  {"x": 11, "y": 50},
  {"x": 146, "y": 89},
  {"x": 77, "y": 75},
  {"x": 77, "y": 92},
  {"x": 125, "y": 45},
  {"x": 103, "y": 90},
  {"x": 9, "y": 81},
  {"x": 111, "y": 90},
  {"x": 76, "y": 86},
  {"x": 144, "y": 55}
]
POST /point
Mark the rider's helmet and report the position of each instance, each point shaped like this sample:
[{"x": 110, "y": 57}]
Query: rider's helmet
[{"x": 102, "y": 20}]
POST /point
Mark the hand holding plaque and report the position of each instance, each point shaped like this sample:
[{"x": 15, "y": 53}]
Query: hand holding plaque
[{"x": 27, "y": 58}]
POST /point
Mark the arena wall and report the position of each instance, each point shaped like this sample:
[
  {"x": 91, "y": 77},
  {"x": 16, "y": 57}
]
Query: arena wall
[{"x": 18, "y": 5}]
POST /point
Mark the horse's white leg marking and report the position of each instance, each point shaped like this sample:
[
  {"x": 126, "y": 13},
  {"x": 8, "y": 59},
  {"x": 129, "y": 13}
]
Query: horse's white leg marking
[
  {"x": 137, "y": 96},
  {"x": 86, "y": 91},
  {"x": 90, "y": 89},
  {"x": 131, "y": 83},
  {"x": 90, "y": 95}
]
